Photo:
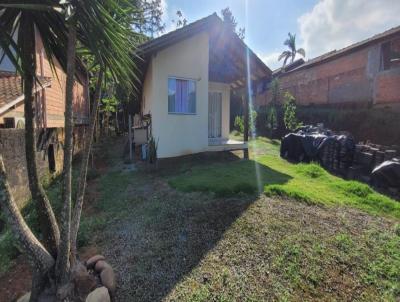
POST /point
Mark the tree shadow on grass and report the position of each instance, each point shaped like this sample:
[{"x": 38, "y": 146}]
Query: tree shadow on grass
[{"x": 166, "y": 233}]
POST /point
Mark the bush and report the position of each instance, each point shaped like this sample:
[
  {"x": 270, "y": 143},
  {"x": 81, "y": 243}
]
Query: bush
[
  {"x": 271, "y": 118},
  {"x": 289, "y": 107},
  {"x": 239, "y": 124}
]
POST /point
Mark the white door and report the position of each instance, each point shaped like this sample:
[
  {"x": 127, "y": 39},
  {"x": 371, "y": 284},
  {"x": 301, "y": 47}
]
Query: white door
[{"x": 214, "y": 114}]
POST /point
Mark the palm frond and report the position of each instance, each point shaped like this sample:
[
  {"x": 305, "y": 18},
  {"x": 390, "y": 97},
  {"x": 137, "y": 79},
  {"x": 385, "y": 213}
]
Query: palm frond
[
  {"x": 302, "y": 52},
  {"x": 284, "y": 54},
  {"x": 285, "y": 61}
]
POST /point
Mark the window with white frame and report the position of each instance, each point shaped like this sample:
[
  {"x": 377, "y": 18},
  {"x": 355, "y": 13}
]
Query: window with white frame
[{"x": 181, "y": 96}]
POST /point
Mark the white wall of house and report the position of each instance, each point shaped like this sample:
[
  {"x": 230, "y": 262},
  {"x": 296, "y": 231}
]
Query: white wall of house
[{"x": 180, "y": 134}]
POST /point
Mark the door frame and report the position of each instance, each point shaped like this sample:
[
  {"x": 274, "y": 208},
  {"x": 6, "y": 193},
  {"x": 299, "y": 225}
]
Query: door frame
[{"x": 219, "y": 137}]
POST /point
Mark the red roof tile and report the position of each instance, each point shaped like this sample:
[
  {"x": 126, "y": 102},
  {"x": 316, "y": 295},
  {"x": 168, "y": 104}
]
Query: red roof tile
[{"x": 11, "y": 88}]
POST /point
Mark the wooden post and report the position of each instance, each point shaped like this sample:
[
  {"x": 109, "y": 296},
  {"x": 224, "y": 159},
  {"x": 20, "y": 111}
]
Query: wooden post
[
  {"x": 245, "y": 101},
  {"x": 130, "y": 136}
]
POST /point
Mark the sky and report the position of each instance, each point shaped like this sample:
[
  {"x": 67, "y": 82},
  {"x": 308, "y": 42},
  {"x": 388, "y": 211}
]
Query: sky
[{"x": 320, "y": 25}]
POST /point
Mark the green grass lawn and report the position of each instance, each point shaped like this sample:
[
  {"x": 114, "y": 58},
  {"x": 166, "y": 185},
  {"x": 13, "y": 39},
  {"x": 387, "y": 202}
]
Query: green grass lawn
[
  {"x": 268, "y": 173},
  {"x": 198, "y": 230}
]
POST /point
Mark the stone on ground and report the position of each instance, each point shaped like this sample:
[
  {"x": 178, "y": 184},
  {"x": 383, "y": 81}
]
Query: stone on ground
[
  {"x": 91, "y": 262},
  {"x": 100, "y": 294},
  {"x": 101, "y": 265},
  {"x": 107, "y": 277}
]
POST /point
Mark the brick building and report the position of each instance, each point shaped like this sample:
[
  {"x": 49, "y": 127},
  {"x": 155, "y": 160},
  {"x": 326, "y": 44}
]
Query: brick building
[
  {"x": 367, "y": 72},
  {"x": 49, "y": 119},
  {"x": 355, "y": 89}
]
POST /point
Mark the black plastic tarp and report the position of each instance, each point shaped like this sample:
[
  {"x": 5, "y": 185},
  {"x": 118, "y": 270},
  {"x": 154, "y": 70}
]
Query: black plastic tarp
[
  {"x": 387, "y": 174},
  {"x": 308, "y": 143}
]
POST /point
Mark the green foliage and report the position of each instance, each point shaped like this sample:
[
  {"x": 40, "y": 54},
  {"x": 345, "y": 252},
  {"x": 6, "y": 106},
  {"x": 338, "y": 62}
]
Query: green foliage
[
  {"x": 239, "y": 124},
  {"x": 271, "y": 117},
  {"x": 231, "y": 23},
  {"x": 252, "y": 120},
  {"x": 275, "y": 91},
  {"x": 289, "y": 107},
  {"x": 290, "y": 42},
  {"x": 109, "y": 104},
  {"x": 152, "y": 150},
  {"x": 8, "y": 250}
]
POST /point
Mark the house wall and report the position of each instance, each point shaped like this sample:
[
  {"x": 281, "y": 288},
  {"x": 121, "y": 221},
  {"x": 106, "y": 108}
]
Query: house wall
[
  {"x": 55, "y": 94},
  {"x": 357, "y": 77},
  {"x": 226, "y": 91},
  {"x": 53, "y": 107},
  {"x": 178, "y": 134}
]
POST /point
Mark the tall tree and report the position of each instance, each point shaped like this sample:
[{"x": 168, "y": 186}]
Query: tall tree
[
  {"x": 180, "y": 19},
  {"x": 148, "y": 19},
  {"x": 231, "y": 23},
  {"x": 99, "y": 26},
  {"x": 290, "y": 42}
]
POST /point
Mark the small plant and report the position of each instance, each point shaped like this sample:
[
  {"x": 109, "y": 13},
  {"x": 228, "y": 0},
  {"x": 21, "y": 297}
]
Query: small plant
[
  {"x": 252, "y": 121},
  {"x": 289, "y": 108},
  {"x": 152, "y": 150},
  {"x": 239, "y": 124},
  {"x": 272, "y": 111},
  {"x": 271, "y": 118}
]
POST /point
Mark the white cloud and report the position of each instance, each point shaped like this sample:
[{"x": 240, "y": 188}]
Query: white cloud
[
  {"x": 271, "y": 59},
  {"x": 334, "y": 24}
]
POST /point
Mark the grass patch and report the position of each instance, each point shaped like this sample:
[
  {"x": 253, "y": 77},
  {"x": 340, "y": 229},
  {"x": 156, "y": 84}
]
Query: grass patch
[
  {"x": 9, "y": 249},
  {"x": 308, "y": 183}
]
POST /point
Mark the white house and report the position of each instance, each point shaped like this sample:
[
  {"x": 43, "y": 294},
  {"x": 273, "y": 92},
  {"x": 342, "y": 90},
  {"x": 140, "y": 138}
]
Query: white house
[{"x": 188, "y": 75}]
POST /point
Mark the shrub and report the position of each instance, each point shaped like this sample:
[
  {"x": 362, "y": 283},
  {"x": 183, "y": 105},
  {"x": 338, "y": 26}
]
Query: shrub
[
  {"x": 289, "y": 107},
  {"x": 271, "y": 118},
  {"x": 239, "y": 124}
]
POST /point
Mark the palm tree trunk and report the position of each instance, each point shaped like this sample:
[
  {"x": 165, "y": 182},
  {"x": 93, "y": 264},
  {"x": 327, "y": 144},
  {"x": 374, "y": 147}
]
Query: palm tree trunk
[
  {"x": 47, "y": 221},
  {"x": 63, "y": 264},
  {"x": 39, "y": 257},
  {"x": 76, "y": 217}
]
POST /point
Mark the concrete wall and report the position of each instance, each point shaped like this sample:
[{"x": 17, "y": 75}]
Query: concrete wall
[
  {"x": 356, "y": 77},
  {"x": 12, "y": 149},
  {"x": 178, "y": 134}
]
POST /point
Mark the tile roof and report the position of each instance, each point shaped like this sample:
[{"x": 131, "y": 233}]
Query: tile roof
[{"x": 11, "y": 88}]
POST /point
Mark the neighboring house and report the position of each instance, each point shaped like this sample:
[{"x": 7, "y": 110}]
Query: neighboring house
[
  {"x": 365, "y": 73},
  {"x": 49, "y": 97},
  {"x": 188, "y": 77},
  {"x": 49, "y": 120}
]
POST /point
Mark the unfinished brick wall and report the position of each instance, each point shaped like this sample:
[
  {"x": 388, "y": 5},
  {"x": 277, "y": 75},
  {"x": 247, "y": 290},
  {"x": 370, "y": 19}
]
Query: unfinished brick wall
[
  {"x": 359, "y": 76},
  {"x": 344, "y": 91}
]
